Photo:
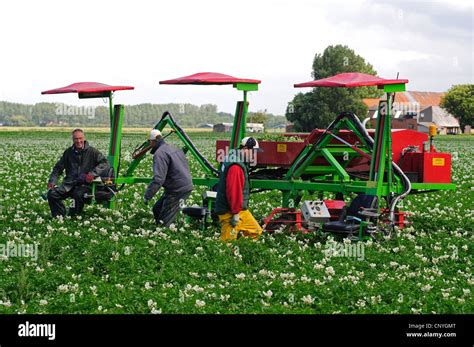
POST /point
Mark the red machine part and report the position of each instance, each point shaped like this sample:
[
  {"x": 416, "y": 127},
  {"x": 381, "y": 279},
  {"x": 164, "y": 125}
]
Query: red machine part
[
  {"x": 291, "y": 218},
  {"x": 401, "y": 138},
  {"x": 284, "y": 216},
  {"x": 349, "y": 80},
  {"x": 423, "y": 167},
  {"x": 209, "y": 78},
  {"x": 401, "y": 217},
  {"x": 428, "y": 167},
  {"x": 275, "y": 153},
  {"x": 283, "y": 154},
  {"x": 87, "y": 87},
  {"x": 335, "y": 208}
]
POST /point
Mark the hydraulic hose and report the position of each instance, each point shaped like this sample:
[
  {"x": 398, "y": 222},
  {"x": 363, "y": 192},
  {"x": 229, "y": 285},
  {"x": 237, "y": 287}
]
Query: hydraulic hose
[{"x": 396, "y": 168}]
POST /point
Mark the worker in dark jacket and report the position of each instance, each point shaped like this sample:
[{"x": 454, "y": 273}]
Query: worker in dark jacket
[
  {"x": 170, "y": 171},
  {"x": 82, "y": 164},
  {"x": 233, "y": 194}
]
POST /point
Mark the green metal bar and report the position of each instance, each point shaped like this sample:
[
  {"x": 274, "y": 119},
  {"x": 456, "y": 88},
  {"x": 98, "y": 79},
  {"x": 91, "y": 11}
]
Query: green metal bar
[
  {"x": 382, "y": 160},
  {"x": 160, "y": 126},
  {"x": 237, "y": 125},
  {"x": 93, "y": 193},
  {"x": 188, "y": 146},
  {"x": 111, "y": 106},
  {"x": 376, "y": 141},
  {"x": 251, "y": 87},
  {"x": 389, "y": 143},
  {"x": 243, "y": 123},
  {"x": 118, "y": 138},
  {"x": 380, "y": 150},
  {"x": 240, "y": 121},
  {"x": 295, "y": 172},
  {"x": 115, "y": 142},
  {"x": 303, "y": 153},
  {"x": 433, "y": 186},
  {"x": 356, "y": 131},
  {"x": 111, "y": 113},
  {"x": 320, "y": 170},
  {"x": 294, "y": 186},
  {"x": 335, "y": 164},
  {"x": 391, "y": 88},
  {"x": 133, "y": 165}
]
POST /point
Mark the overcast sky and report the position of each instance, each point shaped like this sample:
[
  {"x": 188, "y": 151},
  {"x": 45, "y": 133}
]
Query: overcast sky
[{"x": 48, "y": 44}]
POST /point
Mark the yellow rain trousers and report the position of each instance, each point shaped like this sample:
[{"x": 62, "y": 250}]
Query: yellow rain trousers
[{"x": 247, "y": 226}]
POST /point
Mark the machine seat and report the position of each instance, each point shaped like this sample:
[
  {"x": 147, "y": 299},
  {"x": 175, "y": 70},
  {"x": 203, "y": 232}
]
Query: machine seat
[
  {"x": 350, "y": 218},
  {"x": 195, "y": 212},
  {"x": 341, "y": 227}
]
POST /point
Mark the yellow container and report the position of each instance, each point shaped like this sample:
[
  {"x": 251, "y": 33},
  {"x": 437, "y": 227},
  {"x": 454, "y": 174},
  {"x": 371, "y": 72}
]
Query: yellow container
[{"x": 432, "y": 130}]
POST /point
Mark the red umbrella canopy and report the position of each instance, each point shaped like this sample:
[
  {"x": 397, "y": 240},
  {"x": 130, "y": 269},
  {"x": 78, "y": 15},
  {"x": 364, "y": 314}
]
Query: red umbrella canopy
[
  {"x": 350, "y": 79},
  {"x": 209, "y": 78},
  {"x": 87, "y": 87}
]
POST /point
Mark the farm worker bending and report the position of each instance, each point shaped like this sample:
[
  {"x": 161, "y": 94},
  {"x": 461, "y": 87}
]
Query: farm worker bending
[
  {"x": 82, "y": 163},
  {"x": 171, "y": 171},
  {"x": 234, "y": 191}
]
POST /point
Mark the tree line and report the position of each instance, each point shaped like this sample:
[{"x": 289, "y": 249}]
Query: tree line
[{"x": 142, "y": 115}]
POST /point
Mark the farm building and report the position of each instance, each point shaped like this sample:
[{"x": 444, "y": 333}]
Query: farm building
[
  {"x": 205, "y": 126},
  {"x": 417, "y": 111},
  {"x": 444, "y": 121},
  {"x": 222, "y": 127},
  {"x": 227, "y": 127},
  {"x": 254, "y": 128}
]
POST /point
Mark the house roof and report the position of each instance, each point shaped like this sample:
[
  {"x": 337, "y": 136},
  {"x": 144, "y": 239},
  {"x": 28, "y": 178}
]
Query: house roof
[
  {"x": 372, "y": 103},
  {"x": 442, "y": 118},
  {"x": 425, "y": 99}
]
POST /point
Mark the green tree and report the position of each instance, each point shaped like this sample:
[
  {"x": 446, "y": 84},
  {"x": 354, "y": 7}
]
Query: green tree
[
  {"x": 258, "y": 117},
  {"x": 19, "y": 120},
  {"x": 317, "y": 108},
  {"x": 459, "y": 101}
]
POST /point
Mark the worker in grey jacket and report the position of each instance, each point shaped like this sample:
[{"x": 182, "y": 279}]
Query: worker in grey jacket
[{"x": 170, "y": 171}]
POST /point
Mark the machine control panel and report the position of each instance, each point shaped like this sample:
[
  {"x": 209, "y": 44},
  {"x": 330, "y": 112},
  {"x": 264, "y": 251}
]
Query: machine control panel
[{"x": 315, "y": 211}]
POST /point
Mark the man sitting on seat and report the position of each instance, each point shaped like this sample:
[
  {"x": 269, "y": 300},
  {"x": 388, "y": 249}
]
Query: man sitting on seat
[{"x": 82, "y": 164}]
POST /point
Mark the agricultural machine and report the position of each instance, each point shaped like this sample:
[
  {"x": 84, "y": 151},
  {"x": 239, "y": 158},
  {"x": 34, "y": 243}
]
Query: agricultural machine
[{"x": 367, "y": 172}]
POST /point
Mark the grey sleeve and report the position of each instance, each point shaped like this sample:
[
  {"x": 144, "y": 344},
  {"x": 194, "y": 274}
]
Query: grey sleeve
[
  {"x": 58, "y": 169},
  {"x": 160, "y": 170},
  {"x": 102, "y": 164}
]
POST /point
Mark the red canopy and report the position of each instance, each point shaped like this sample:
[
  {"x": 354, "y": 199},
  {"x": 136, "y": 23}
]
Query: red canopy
[
  {"x": 209, "y": 78},
  {"x": 350, "y": 79},
  {"x": 86, "y": 87}
]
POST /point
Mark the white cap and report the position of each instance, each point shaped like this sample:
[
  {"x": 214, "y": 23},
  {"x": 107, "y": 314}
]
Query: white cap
[
  {"x": 250, "y": 143},
  {"x": 154, "y": 134}
]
